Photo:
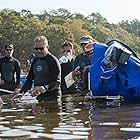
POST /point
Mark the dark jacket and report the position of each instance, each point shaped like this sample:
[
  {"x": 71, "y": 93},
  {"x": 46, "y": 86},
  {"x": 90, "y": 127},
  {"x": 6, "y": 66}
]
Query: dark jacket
[
  {"x": 82, "y": 60},
  {"x": 66, "y": 69}
]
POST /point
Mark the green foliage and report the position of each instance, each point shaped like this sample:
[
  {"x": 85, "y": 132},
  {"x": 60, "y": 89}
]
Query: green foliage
[
  {"x": 57, "y": 35},
  {"x": 21, "y": 28},
  {"x": 131, "y": 26},
  {"x": 76, "y": 28},
  {"x": 100, "y": 33},
  {"x": 96, "y": 18}
]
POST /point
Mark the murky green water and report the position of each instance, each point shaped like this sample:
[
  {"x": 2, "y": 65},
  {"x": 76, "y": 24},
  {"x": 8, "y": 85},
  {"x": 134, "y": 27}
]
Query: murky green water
[{"x": 68, "y": 118}]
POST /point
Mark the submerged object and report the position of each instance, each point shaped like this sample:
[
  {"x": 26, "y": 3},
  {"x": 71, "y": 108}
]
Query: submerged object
[{"x": 115, "y": 71}]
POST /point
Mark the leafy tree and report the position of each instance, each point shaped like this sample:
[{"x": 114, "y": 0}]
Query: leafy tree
[
  {"x": 76, "y": 28},
  {"x": 100, "y": 33},
  {"x": 131, "y": 26},
  {"x": 21, "y": 28},
  {"x": 59, "y": 16},
  {"x": 96, "y": 18},
  {"x": 26, "y": 13},
  {"x": 57, "y": 35},
  {"x": 78, "y": 16}
]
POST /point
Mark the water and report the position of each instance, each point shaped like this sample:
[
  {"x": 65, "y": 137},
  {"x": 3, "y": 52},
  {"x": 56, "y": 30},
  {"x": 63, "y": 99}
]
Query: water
[{"x": 68, "y": 118}]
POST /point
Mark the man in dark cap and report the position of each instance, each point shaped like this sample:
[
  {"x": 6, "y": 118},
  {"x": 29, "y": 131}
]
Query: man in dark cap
[{"x": 9, "y": 70}]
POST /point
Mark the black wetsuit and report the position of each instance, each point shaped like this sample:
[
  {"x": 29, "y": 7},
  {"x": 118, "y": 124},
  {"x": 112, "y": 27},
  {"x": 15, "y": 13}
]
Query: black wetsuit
[
  {"x": 66, "y": 69},
  {"x": 10, "y": 66},
  {"x": 45, "y": 71}
]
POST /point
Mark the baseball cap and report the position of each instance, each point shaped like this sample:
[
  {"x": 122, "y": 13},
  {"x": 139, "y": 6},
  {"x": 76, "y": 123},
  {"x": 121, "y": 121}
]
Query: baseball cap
[
  {"x": 86, "y": 39},
  {"x": 9, "y": 46}
]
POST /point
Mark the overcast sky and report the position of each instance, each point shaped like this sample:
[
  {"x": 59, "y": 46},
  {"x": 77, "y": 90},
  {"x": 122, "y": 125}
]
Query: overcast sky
[{"x": 113, "y": 10}]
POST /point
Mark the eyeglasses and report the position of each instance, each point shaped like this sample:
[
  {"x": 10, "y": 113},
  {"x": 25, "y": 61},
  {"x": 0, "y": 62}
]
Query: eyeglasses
[
  {"x": 8, "y": 49},
  {"x": 66, "y": 51},
  {"x": 42, "y": 48},
  {"x": 83, "y": 44}
]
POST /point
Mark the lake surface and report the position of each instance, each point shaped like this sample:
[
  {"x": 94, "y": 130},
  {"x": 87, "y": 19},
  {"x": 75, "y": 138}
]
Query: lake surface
[{"x": 68, "y": 118}]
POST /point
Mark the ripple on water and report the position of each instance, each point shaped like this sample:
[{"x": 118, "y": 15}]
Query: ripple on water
[
  {"x": 3, "y": 128},
  {"x": 30, "y": 127},
  {"x": 77, "y": 109},
  {"x": 5, "y": 122},
  {"x": 12, "y": 110},
  {"x": 38, "y": 124},
  {"x": 15, "y": 133},
  {"x": 81, "y": 133},
  {"x": 10, "y": 116},
  {"x": 137, "y": 124},
  {"x": 22, "y": 133},
  {"x": 64, "y": 136},
  {"x": 61, "y": 131},
  {"x": 2, "y": 118},
  {"x": 63, "y": 113},
  {"x": 29, "y": 117},
  {"x": 130, "y": 129},
  {"x": 69, "y": 132},
  {"x": 18, "y": 121},
  {"x": 73, "y": 128},
  {"x": 109, "y": 123}
]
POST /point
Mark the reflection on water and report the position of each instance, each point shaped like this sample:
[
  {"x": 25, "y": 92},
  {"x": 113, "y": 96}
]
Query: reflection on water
[
  {"x": 69, "y": 118},
  {"x": 45, "y": 120},
  {"x": 115, "y": 122}
]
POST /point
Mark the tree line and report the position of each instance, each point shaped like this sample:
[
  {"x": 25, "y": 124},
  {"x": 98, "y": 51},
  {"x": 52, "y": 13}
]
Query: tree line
[{"x": 21, "y": 28}]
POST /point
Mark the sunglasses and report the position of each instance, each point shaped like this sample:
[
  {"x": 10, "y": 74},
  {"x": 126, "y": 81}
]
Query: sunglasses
[
  {"x": 83, "y": 44},
  {"x": 8, "y": 49},
  {"x": 39, "y": 48}
]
